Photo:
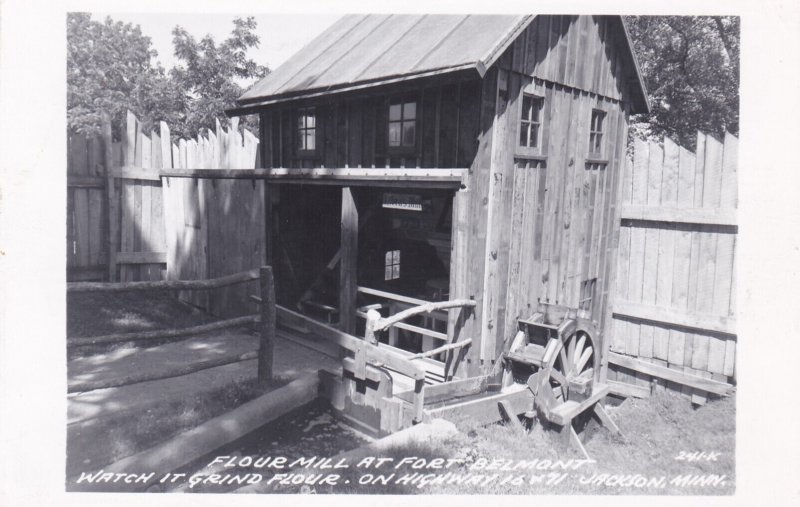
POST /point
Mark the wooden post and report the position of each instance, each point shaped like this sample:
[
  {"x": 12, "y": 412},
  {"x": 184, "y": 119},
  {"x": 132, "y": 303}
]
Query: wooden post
[
  {"x": 111, "y": 207},
  {"x": 348, "y": 266},
  {"x": 267, "y": 345},
  {"x": 369, "y": 330}
]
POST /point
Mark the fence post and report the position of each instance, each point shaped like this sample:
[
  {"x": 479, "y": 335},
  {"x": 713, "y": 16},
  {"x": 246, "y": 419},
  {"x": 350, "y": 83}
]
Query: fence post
[
  {"x": 369, "y": 331},
  {"x": 267, "y": 345}
]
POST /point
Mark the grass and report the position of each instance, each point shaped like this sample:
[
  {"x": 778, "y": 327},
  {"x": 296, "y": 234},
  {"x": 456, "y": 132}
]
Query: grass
[{"x": 654, "y": 433}]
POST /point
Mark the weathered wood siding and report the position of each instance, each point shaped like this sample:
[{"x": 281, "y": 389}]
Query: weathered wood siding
[
  {"x": 352, "y": 129},
  {"x": 675, "y": 293},
  {"x": 547, "y": 225}
]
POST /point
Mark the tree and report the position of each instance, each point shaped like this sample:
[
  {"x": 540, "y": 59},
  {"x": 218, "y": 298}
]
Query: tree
[
  {"x": 109, "y": 69},
  {"x": 208, "y": 73},
  {"x": 690, "y": 66}
]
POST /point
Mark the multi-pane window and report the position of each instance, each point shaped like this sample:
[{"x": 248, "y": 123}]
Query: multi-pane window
[
  {"x": 306, "y": 130},
  {"x": 402, "y": 125},
  {"x": 392, "y": 271},
  {"x": 531, "y": 121},
  {"x": 596, "y": 132}
]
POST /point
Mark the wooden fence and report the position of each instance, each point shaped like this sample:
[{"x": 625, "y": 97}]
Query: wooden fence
[
  {"x": 674, "y": 324},
  {"x": 127, "y": 222}
]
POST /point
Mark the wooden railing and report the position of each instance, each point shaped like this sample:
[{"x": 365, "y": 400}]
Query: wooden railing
[
  {"x": 396, "y": 303},
  {"x": 266, "y": 318},
  {"x": 364, "y": 354}
]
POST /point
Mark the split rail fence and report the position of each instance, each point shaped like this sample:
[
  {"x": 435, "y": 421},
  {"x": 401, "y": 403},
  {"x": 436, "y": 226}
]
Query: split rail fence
[
  {"x": 674, "y": 324},
  {"x": 266, "y": 318}
]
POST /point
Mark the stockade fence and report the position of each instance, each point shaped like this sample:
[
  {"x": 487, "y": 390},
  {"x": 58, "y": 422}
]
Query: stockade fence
[
  {"x": 674, "y": 324},
  {"x": 266, "y": 318},
  {"x": 127, "y": 222}
]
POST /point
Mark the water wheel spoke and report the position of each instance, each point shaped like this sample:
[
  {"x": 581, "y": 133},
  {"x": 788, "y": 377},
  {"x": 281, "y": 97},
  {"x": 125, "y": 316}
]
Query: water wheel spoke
[
  {"x": 579, "y": 351},
  {"x": 584, "y": 358},
  {"x": 565, "y": 363},
  {"x": 571, "y": 352}
]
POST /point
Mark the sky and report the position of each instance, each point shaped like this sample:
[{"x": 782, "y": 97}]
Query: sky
[{"x": 281, "y": 34}]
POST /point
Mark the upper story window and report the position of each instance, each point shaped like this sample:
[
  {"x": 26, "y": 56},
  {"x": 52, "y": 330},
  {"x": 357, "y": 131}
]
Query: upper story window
[
  {"x": 402, "y": 124},
  {"x": 530, "y": 124},
  {"x": 596, "y": 132},
  {"x": 306, "y": 130}
]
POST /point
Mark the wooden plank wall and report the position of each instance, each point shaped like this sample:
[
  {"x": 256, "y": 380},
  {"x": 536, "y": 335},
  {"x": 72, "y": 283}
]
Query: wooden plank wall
[
  {"x": 675, "y": 293},
  {"x": 176, "y": 228},
  {"x": 141, "y": 221},
  {"x": 87, "y": 248},
  {"x": 351, "y": 130},
  {"x": 215, "y": 227}
]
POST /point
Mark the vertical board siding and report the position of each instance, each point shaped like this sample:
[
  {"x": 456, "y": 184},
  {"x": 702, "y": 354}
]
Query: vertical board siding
[{"x": 677, "y": 264}]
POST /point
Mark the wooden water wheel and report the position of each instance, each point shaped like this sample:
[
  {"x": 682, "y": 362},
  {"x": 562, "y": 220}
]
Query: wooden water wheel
[{"x": 569, "y": 363}]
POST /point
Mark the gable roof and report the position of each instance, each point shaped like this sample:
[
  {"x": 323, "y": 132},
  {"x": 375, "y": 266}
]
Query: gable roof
[
  {"x": 360, "y": 49},
  {"x": 367, "y": 50}
]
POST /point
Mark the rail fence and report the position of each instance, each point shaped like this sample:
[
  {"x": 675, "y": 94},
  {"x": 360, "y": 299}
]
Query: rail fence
[{"x": 266, "y": 318}]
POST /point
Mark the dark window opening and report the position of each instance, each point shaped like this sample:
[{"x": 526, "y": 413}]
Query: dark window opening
[
  {"x": 403, "y": 125},
  {"x": 596, "y": 132},
  {"x": 307, "y": 130},
  {"x": 392, "y": 265},
  {"x": 530, "y": 121}
]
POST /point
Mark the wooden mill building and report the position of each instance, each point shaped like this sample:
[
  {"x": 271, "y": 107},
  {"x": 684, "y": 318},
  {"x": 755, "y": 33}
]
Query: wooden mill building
[{"x": 425, "y": 158}]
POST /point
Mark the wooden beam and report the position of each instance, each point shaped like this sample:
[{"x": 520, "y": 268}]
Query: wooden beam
[
  {"x": 212, "y": 283},
  {"x": 437, "y": 393},
  {"x": 164, "y": 334},
  {"x": 485, "y": 410},
  {"x": 704, "y": 384},
  {"x": 379, "y": 354},
  {"x": 135, "y": 173},
  {"x": 391, "y": 296},
  {"x": 85, "y": 181},
  {"x": 141, "y": 257},
  {"x": 426, "y": 308},
  {"x": 348, "y": 266},
  {"x": 215, "y": 433},
  {"x": 111, "y": 199},
  {"x": 564, "y": 414},
  {"x": 443, "y": 348},
  {"x": 709, "y": 216},
  {"x": 628, "y": 390},
  {"x": 446, "y": 178},
  {"x": 266, "y": 346},
  {"x": 682, "y": 318}
]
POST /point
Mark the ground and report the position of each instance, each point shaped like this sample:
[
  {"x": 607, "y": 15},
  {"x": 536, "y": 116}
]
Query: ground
[{"x": 659, "y": 434}]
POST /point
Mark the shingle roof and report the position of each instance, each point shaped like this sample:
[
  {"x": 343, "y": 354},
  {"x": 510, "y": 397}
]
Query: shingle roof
[{"x": 374, "y": 48}]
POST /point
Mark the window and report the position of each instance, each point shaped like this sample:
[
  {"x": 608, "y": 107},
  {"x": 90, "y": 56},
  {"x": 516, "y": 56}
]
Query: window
[
  {"x": 530, "y": 122},
  {"x": 402, "y": 125},
  {"x": 596, "y": 132},
  {"x": 392, "y": 271},
  {"x": 306, "y": 130}
]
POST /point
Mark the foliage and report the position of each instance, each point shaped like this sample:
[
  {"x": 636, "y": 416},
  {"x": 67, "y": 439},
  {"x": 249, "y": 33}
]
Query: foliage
[
  {"x": 208, "y": 73},
  {"x": 690, "y": 65},
  {"x": 110, "y": 68}
]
